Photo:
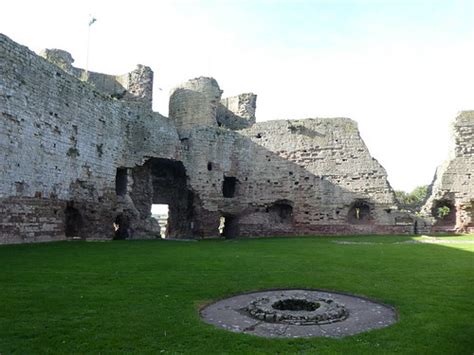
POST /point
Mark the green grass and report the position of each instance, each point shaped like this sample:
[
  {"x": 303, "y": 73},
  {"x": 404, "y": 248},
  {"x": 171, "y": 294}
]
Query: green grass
[{"x": 144, "y": 296}]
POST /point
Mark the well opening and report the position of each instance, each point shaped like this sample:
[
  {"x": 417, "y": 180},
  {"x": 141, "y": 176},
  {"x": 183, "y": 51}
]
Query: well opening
[{"x": 292, "y": 304}]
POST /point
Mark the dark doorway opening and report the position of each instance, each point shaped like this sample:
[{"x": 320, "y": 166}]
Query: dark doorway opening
[
  {"x": 228, "y": 186},
  {"x": 122, "y": 227},
  {"x": 281, "y": 211},
  {"x": 359, "y": 213},
  {"x": 73, "y": 222},
  {"x": 164, "y": 182},
  {"x": 121, "y": 181},
  {"x": 229, "y": 227}
]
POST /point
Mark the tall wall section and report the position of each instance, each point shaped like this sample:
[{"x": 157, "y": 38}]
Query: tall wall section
[
  {"x": 61, "y": 142},
  {"x": 312, "y": 176},
  {"x": 451, "y": 203}
]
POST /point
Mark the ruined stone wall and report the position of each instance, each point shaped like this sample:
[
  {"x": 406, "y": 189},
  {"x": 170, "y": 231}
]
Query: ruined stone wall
[
  {"x": 453, "y": 185},
  {"x": 237, "y": 112},
  {"x": 62, "y": 141},
  {"x": 194, "y": 103},
  {"x": 134, "y": 86},
  {"x": 78, "y": 158},
  {"x": 291, "y": 178}
]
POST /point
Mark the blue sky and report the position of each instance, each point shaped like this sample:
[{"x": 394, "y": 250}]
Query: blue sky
[
  {"x": 401, "y": 69},
  {"x": 334, "y": 24}
]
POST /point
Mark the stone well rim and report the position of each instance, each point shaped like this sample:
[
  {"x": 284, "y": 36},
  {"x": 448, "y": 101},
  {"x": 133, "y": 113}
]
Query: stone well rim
[
  {"x": 202, "y": 306},
  {"x": 363, "y": 314}
]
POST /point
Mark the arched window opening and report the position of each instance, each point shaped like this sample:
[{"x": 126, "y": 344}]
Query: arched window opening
[{"x": 359, "y": 213}]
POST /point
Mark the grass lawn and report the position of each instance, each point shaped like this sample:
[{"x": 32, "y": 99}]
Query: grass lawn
[{"x": 144, "y": 296}]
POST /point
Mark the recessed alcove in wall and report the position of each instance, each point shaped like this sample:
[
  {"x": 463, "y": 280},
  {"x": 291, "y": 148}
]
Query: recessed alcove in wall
[
  {"x": 73, "y": 221},
  {"x": 281, "y": 211},
  {"x": 359, "y": 213},
  {"x": 445, "y": 213}
]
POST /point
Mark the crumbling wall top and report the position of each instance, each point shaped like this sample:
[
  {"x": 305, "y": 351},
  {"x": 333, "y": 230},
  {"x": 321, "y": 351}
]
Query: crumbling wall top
[
  {"x": 136, "y": 85},
  {"x": 61, "y": 58},
  {"x": 463, "y": 129},
  {"x": 237, "y": 112},
  {"x": 194, "y": 103}
]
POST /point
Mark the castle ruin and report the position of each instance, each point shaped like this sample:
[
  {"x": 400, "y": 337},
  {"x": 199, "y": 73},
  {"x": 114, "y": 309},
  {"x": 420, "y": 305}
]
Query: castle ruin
[
  {"x": 453, "y": 186},
  {"x": 84, "y": 156}
]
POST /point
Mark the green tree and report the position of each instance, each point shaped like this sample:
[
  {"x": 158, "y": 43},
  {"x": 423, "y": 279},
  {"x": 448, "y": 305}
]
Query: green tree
[
  {"x": 443, "y": 211},
  {"x": 414, "y": 200}
]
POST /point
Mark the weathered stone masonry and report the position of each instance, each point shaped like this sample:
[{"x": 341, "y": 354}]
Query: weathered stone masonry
[
  {"x": 453, "y": 185},
  {"x": 82, "y": 151},
  {"x": 62, "y": 141}
]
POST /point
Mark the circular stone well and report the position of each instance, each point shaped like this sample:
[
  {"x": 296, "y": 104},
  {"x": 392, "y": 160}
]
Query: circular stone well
[{"x": 298, "y": 313}]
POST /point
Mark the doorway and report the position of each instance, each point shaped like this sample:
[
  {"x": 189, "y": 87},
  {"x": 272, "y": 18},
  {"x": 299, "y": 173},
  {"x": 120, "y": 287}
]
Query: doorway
[{"x": 160, "y": 212}]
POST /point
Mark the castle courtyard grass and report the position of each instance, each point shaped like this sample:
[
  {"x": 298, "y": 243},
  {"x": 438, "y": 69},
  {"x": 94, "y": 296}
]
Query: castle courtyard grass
[{"x": 145, "y": 296}]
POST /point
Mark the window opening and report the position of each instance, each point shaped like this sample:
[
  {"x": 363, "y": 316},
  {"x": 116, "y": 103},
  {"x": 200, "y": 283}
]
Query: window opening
[
  {"x": 121, "y": 181},
  {"x": 228, "y": 186}
]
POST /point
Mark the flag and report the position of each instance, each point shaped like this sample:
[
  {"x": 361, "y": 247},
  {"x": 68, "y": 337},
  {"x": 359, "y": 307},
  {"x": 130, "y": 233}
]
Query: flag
[{"x": 92, "y": 21}]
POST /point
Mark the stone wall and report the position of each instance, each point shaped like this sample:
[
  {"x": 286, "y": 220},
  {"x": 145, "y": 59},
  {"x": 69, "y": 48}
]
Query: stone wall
[
  {"x": 237, "y": 112},
  {"x": 62, "y": 141},
  {"x": 453, "y": 185},
  {"x": 134, "y": 86},
  {"x": 194, "y": 103},
  {"x": 85, "y": 159},
  {"x": 292, "y": 178}
]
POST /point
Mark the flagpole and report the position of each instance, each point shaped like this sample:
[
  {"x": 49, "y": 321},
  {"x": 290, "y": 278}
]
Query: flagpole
[{"x": 91, "y": 21}]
